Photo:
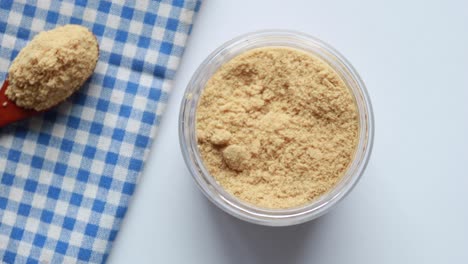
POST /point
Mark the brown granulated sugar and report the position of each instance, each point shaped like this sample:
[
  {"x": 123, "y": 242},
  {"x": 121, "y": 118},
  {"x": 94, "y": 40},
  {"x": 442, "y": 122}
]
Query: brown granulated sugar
[
  {"x": 276, "y": 127},
  {"x": 52, "y": 67}
]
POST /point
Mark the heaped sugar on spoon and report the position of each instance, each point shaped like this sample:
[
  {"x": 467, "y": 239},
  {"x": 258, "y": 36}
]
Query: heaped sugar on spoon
[{"x": 46, "y": 71}]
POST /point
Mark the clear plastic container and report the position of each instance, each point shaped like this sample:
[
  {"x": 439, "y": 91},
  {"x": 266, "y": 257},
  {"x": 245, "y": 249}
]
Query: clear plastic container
[{"x": 188, "y": 140}]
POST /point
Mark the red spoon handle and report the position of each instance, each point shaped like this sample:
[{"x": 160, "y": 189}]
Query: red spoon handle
[{"x": 9, "y": 111}]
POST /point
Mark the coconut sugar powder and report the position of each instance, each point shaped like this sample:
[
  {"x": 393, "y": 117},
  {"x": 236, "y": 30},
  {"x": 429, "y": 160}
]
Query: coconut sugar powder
[{"x": 277, "y": 127}]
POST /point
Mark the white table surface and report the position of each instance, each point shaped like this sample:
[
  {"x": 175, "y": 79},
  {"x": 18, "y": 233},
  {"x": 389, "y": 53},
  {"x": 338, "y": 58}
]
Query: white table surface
[{"x": 411, "y": 205}]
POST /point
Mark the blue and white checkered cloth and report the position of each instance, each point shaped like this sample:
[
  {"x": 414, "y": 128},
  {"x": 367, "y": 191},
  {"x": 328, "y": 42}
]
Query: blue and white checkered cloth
[{"x": 67, "y": 176}]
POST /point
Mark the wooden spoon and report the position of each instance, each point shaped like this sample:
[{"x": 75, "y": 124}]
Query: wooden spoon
[
  {"x": 9, "y": 111},
  {"x": 42, "y": 48}
]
